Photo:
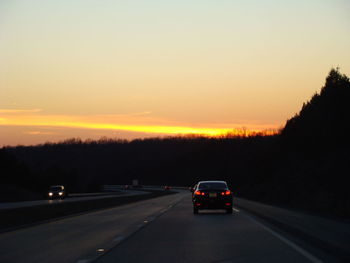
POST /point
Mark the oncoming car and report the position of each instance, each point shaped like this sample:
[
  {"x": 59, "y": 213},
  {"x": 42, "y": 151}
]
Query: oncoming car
[
  {"x": 212, "y": 195},
  {"x": 57, "y": 191}
]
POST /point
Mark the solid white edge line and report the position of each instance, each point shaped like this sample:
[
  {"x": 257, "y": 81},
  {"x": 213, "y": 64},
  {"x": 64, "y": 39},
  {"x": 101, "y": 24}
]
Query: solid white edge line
[
  {"x": 288, "y": 242},
  {"x": 118, "y": 239}
]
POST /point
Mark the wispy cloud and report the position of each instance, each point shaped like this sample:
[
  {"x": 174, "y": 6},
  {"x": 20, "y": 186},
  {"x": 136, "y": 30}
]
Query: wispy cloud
[
  {"x": 39, "y": 133},
  {"x": 9, "y": 111}
]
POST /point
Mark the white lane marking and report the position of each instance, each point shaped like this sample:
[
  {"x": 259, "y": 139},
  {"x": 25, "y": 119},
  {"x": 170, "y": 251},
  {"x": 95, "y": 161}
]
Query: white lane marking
[
  {"x": 234, "y": 209},
  {"x": 118, "y": 239},
  {"x": 302, "y": 251}
]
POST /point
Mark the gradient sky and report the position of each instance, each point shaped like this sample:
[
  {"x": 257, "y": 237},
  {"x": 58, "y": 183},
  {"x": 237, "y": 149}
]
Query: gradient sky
[{"x": 80, "y": 68}]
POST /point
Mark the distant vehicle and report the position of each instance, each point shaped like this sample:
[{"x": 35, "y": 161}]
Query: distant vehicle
[
  {"x": 136, "y": 184},
  {"x": 212, "y": 195},
  {"x": 57, "y": 191},
  {"x": 167, "y": 187}
]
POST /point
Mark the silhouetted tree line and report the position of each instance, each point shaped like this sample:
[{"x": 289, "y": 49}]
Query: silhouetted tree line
[
  {"x": 305, "y": 166},
  {"x": 315, "y": 144}
]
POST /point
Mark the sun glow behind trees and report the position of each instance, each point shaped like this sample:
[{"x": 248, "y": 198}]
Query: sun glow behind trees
[{"x": 86, "y": 123}]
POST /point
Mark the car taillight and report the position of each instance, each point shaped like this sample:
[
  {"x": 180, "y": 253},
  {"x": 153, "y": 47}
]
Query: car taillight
[
  {"x": 227, "y": 192},
  {"x": 198, "y": 193}
]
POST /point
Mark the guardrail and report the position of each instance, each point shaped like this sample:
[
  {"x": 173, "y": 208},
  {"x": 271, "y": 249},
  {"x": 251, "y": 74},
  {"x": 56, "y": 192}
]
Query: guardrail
[
  {"x": 116, "y": 188},
  {"x": 111, "y": 188}
]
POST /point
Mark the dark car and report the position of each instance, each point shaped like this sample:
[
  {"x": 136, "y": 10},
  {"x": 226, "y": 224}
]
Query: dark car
[
  {"x": 167, "y": 187},
  {"x": 212, "y": 195},
  {"x": 57, "y": 191}
]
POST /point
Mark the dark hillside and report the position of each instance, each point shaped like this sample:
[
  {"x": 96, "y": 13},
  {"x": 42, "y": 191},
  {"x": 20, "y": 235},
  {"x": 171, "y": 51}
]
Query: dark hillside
[
  {"x": 16, "y": 180},
  {"x": 175, "y": 161}
]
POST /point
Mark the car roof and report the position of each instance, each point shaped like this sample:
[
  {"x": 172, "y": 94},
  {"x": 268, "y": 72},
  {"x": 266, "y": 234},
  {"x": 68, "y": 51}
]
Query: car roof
[{"x": 212, "y": 182}]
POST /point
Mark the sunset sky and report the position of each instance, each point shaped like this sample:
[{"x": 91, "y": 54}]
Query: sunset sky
[{"x": 130, "y": 69}]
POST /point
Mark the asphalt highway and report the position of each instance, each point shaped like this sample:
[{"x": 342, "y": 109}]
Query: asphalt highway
[{"x": 163, "y": 229}]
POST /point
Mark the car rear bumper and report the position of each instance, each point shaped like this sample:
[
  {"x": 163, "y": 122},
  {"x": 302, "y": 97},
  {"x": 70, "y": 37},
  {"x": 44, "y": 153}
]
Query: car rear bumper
[{"x": 212, "y": 204}]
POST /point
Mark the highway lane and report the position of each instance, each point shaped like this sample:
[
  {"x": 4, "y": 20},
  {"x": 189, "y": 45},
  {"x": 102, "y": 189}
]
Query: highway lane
[
  {"x": 70, "y": 198},
  {"x": 158, "y": 230},
  {"x": 211, "y": 236},
  {"x": 68, "y": 240}
]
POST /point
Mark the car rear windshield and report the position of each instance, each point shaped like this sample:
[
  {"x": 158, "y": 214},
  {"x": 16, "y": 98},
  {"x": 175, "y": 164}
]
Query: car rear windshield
[{"x": 212, "y": 185}]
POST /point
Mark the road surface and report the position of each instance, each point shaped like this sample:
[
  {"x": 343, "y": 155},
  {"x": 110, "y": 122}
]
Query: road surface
[{"x": 157, "y": 230}]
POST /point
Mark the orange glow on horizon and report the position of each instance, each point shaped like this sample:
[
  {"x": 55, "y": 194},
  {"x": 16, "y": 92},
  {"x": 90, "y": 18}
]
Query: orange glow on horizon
[{"x": 99, "y": 123}]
